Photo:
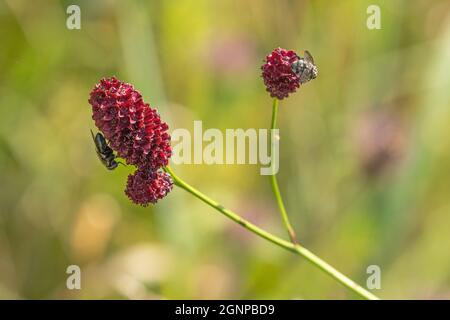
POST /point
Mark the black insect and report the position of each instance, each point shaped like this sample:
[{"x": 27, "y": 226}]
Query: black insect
[
  {"x": 304, "y": 68},
  {"x": 104, "y": 152}
]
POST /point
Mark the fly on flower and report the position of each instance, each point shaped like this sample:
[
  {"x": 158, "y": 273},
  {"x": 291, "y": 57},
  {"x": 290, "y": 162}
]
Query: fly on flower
[
  {"x": 284, "y": 71},
  {"x": 304, "y": 68},
  {"x": 104, "y": 152}
]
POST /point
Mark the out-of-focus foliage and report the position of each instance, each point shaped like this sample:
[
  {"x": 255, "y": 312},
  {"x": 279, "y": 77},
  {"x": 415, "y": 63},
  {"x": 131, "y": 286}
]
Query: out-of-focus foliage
[{"x": 365, "y": 161}]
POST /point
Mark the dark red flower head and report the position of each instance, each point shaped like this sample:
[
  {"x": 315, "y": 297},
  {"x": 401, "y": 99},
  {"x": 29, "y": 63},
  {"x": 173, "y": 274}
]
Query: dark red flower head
[
  {"x": 131, "y": 126},
  {"x": 145, "y": 186},
  {"x": 135, "y": 131},
  {"x": 277, "y": 73}
]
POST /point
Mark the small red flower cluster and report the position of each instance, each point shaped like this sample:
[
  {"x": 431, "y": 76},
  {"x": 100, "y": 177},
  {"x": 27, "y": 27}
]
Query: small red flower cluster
[
  {"x": 277, "y": 73},
  {"x": 135, "y": 131},
  {"x": 145, "y": 186}
]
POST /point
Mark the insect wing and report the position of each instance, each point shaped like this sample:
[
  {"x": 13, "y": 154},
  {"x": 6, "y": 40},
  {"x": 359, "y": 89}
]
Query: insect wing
[
  {"x": 308, "y": 57},
  {"x": 99, "y": 148}
]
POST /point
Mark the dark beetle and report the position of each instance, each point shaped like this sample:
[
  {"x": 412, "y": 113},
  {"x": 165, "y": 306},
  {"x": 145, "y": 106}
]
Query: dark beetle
[{"x": 104, "y": 152}]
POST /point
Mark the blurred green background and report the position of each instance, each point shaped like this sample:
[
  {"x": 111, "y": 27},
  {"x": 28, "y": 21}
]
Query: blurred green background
[{"x": 365, "y": 156}]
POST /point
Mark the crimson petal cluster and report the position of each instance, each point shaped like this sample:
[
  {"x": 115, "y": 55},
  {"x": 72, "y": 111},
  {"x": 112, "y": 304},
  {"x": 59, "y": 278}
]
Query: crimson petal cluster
[
  {"x": 137, "y": 133},
  {"x": 277, "y": 73},
  {"x": 144, "y": 186}
]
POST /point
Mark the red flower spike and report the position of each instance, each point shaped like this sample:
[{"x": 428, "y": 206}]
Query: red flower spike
[
  {"x": 145, "y": 187},
  {"x": 131, "y": 126},
  {"x": 135, "y": 131},
  {"x": 277, "y": 73}
]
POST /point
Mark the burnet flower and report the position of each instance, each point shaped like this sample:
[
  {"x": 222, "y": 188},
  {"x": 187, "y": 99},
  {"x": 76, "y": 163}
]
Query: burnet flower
[
  {"x": 146, "y": 186},
  {"x": 137, "y": 133},
  {"x": 131, "y": 126},
  {"x": 277, "y": 73}
]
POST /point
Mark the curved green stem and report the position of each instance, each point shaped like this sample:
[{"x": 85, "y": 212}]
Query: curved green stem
[
  {"x": 297, "y": 249},
  {"x": 274, "y": 182}
]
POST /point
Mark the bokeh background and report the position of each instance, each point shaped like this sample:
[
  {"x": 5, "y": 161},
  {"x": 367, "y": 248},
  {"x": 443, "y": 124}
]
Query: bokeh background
[{"x": 365, "y": 156}]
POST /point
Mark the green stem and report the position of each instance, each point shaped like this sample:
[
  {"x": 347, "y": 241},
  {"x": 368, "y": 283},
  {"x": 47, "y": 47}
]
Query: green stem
[
  {"x": 274, "y": 182},
  {"x": 308, "y": 255}
]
